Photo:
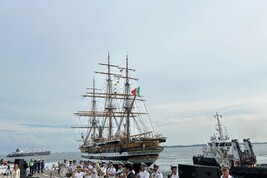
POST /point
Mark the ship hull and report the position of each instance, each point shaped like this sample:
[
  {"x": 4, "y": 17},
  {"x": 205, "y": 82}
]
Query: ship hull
[
  {"x": 237, "y": 172},
  {"x": 200, "y": 160},
  {"x": 136, "y": 153},
  {"x": 29, "y": 154}
]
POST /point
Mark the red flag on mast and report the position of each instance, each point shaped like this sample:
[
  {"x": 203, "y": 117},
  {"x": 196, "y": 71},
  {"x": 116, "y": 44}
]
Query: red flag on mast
[{"x": 136, "y": 91}]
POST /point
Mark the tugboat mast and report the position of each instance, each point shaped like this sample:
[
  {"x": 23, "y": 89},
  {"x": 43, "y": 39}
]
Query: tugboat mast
[{"x": 219, "y": 126}]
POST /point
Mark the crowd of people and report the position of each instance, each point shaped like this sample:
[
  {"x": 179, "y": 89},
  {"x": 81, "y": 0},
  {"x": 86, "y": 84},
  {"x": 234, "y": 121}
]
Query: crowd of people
[
  {"x": 89, "y": 169},
  {"x": 36, "y": 166},
  {"x": 13, "y": 170}
]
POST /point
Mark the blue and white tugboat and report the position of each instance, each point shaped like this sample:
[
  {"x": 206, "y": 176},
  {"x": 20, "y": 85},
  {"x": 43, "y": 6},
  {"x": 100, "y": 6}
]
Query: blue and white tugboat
[{"x": 223, "y": 151}]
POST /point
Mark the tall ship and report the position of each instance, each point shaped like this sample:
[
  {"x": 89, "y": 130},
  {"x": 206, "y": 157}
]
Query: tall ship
[
  {"x": 240, "y": 157},
  {"x": 117, "y": 126},
  {"x": 23, "y": 153}
]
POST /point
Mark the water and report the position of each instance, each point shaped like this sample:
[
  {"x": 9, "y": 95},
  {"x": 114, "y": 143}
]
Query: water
[{"x": 169, "y": 156}]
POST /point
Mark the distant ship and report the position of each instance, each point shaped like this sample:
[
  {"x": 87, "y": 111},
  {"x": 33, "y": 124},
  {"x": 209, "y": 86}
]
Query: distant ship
[
  {"x": 117, "y": 127},
  {"x": 240, "y": 157},
  {"x": 21, "y": 153}
]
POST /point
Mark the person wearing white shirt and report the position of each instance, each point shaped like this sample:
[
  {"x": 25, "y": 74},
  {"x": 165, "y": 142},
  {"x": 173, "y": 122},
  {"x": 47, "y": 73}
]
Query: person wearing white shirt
[
  {"x": 88, "y": 173},
  {"x": 71, "y": 166},
  {"x": 78, "y": 173},
  {"x": 66, "y": 163},
  {"x": 90, "y": 166},
  {"x": 120, "y": 173},
  {"x": 94, "y": 171},
  {"x": 15, "y": 173},
  {"x": 111, "y": 171},
  {"x": 143, "y": 172},
  {"x": 225, "y": 171},
  {"x": 156, "y": 172},
  {"x": 174, "y": 173},
  {"x": 103, "y": 171}
]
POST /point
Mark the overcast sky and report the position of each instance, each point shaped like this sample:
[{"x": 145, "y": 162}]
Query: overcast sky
[{"x": 193, "y": 58}]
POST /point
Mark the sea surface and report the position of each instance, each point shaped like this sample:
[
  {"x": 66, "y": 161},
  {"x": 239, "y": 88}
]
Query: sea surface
[{"x": 169, "y": 156}]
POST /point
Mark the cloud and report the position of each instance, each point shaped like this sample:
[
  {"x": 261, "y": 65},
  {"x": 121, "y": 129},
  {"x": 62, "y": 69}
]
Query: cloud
[
  {"x": 243, "y": 117},
  {"x": 45, "y": 126}
]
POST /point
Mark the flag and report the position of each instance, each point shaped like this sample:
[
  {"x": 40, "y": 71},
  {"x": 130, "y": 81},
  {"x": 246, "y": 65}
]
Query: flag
[{"x": 136, "y": 91}]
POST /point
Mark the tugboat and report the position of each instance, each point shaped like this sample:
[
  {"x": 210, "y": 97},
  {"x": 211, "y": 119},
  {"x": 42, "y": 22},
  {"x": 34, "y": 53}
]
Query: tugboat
[
  {"x": 223, "y": 151},
  {"x": 117, "y": 127}
]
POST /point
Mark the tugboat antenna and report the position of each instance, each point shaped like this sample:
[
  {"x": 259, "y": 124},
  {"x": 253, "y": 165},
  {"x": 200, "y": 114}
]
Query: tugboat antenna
[{"x": 219, "y": 129}]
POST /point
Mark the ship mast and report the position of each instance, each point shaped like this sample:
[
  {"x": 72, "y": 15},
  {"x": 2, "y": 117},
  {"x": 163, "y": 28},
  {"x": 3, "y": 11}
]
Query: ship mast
[
  {"x": 94, "y": 121},
  {"x": 127, "y": 104},
  {"x": 109, "y": 104}
]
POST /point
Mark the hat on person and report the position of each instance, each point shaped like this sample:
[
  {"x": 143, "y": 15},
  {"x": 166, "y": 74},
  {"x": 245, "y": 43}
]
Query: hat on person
[
  {"x": 155, "y": 165},
  {"x": 173, "y": 167},
  {"x": 143, "y": 164},
  {"x": 224, "y": 167},
  {"x": 129, "y": 166},
  {"x": 110, "y": 162},
  {"x": 121, "y": 163},
  {"x": 130, "y": 162}
]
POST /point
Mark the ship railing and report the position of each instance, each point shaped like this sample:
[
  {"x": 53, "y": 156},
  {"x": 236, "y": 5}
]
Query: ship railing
[{"x": 142, "y": 134}]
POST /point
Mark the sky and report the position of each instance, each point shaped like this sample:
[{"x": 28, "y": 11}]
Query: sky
[{"x": 193, "y": 58}]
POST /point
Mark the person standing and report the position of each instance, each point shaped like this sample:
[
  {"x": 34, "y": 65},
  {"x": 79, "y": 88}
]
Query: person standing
[
  {"x": 88, "y": 173},
  {"x": 94, "y": 170},
  {"x": 156, "y": 172},
  {"x": 174, "y": 172},
  {"x": 15, "y": 173},
  {"x": 128, "y": 170},
  {"x": 66, "y": 162},
  {"x": 143, "y": 172},
  {"x": 120, "y": 173},
  {"x": 225, "y": 171},
  {"x": 71, "y": 167},
  {"x": 78, "y": 173},
  {"x": 31, "y": 166},
  {"x": 81, "y": 164},
  {"x": 103, "y": 170},
  {"x": 38, "y": 166},
  {"x": 89, "y": 165},
  {"x": 34, "y": 166},
  {"x": 111, "y": 171},
  {"x": 8, "y": 171},
  {"x": 42, "y": 166}
]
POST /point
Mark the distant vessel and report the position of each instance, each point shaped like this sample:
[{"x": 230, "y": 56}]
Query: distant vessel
[
  {"x": 21, "y": 153},
  {"x": 223, "y": 151},
  {"x": 117, "y": 127}
]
